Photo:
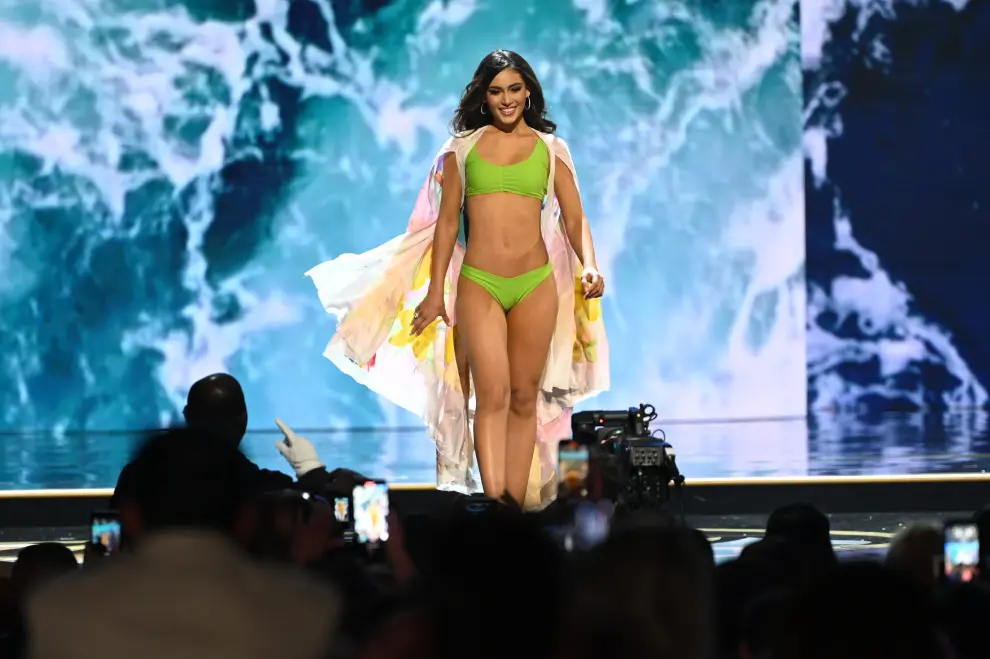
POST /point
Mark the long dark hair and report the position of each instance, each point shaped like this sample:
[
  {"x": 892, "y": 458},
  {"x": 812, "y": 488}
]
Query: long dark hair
[{"x": 469, "y": 116}]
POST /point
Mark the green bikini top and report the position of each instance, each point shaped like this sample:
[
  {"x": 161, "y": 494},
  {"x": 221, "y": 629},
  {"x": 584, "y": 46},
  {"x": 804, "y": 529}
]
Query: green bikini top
[{"x": 527, "y": 178}]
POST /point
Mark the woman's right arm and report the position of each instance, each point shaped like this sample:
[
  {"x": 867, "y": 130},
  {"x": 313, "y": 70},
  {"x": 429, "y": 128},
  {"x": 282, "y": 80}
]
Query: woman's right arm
[{"x": 448, "y": 224}]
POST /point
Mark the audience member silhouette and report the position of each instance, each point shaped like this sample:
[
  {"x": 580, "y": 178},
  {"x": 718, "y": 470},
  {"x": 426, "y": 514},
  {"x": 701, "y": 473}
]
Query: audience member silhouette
[
  {"x": 216, "y": 410},
  {"x": 187, "y": 589},
  {"x": 216, "y": 405},
  {"x": 917, "y": 550},
  {"x": 643, "y": 593},
  {"x": 35, "y": 566},
  {"x": 862, "y": 611}
]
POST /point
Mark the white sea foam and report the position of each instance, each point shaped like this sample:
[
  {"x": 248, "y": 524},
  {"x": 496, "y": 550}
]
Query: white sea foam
[
  {"x": 387, "y": 107},
  {"x": 894, "y": 336}
]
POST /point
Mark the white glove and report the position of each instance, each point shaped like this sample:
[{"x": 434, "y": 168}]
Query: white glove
[{"x": 298, "y": 451}]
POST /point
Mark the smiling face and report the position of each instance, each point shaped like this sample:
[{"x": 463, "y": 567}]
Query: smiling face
[{"x": 506, "y": 97}]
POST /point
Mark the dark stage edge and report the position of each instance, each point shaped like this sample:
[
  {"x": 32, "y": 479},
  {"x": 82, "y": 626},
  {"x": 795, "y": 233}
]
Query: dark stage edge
[
  {"x": 855, "y": 536},
  {"x": 930, "y": 493}
]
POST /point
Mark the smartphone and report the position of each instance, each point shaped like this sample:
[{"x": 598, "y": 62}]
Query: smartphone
[
  {"x": 369, "y": 502},
  {"x": 342, "y": 510},
  {"x": 961, "y": 552},
  {"x": 592, "y": 522},
  {"x": 104, "y": 529},
  {"x": 572, "y": 470},
  {"x": 587, "y": 526}
]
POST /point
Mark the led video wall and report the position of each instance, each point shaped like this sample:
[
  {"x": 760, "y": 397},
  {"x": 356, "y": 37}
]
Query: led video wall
[
  {"x": 896, "y": 136},
  {"x": 786, "y": 196},
  {"x": 170, "y": 172}
]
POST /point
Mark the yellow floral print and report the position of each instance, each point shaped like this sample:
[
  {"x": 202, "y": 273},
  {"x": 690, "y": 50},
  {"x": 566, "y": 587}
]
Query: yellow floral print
[
  {"x": 589, "y": 309},
  {"x": 448, "y": 352},
  {"x": 586, "y": 312},
  {"x": 404, "y": 337},
  {"x": 451, "y": 376},
  {"x": 423, "y": 271},
  {"x": 584, "y": 352}
]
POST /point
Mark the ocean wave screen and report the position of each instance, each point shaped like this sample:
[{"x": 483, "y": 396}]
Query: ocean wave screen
[
  {"x": 168, "y": 171},
  {"x": 896, "y": 140}
]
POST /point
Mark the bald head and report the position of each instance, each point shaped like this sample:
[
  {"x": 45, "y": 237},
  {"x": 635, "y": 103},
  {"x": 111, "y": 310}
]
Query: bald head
[{"x": 216, "y": 405}]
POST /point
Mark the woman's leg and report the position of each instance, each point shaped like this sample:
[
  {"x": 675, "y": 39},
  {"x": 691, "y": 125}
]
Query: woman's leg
[
  {"x": 482, "y": 327},
  {"x": 531, "y": 324},
  {"x": 464, "y": 375},
  {"x": 463, "y": 370}
]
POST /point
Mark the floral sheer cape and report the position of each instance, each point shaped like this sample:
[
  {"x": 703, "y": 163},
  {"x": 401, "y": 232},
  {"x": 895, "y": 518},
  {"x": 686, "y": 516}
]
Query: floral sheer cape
[{"x": 373, "y": 296}]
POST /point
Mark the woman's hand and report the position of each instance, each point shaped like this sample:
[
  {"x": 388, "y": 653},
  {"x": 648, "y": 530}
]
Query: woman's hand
[
  {"x": 593, "y": 282},
  {"x": 431, "y": 308}
]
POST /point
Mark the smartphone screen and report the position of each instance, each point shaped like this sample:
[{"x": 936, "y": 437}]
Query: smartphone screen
[
  {"x": 592, "y": 523},
  {"x": 342, "y": 509},
  {"x": 104, "y": 529},
  {"x": 962, "y": 551},
  {"x": 589, "y": 526},
  {"x": 572, "y": 469},
  {"x": 370, "y": 502}
]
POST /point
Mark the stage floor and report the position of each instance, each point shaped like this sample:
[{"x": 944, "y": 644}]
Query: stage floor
[{"x": 822, "y": 445}]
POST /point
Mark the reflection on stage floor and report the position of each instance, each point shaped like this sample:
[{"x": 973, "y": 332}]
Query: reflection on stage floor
[{"x": 820, "y": 445}]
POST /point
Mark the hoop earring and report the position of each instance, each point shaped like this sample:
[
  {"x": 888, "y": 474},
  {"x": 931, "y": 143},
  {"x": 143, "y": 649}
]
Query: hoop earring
[
  {"x": 483, "y": 109},
  {"x": 529, "y": 102}
]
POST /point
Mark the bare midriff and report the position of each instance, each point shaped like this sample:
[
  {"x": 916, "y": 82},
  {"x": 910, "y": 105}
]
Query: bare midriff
[{"x": 504, "y": 236}]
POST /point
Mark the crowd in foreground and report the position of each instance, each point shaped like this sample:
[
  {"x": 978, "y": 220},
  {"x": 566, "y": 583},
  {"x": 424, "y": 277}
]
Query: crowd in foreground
[{"x": 222, "y": 559}]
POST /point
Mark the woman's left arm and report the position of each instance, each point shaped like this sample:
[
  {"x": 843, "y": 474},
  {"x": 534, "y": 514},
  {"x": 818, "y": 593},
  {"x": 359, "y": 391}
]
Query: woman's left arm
[{"x": 577, "y": 228}]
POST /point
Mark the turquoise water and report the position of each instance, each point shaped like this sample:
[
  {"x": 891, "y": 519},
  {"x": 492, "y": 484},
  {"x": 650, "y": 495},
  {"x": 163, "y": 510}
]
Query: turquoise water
[{"x": 169, "y": 171}]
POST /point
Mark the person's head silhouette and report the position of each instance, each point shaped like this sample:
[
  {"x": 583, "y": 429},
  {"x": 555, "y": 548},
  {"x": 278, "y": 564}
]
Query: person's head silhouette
[{"x": 216, "y": 405}]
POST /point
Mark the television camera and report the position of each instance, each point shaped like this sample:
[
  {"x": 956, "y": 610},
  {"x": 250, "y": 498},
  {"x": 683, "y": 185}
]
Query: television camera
[{"x": 636, "y": 466}]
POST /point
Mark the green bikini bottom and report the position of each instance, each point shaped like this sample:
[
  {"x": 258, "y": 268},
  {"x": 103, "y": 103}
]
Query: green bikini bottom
[{"x": 508, "y": 291}]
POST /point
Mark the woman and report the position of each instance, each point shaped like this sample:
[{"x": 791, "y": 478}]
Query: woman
[{"x": 526, "y": 334}]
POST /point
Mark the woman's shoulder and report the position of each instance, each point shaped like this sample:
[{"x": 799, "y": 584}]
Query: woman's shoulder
[
  {"x": 458, "y": 140},
  {"x": 558, "y": 146}
]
